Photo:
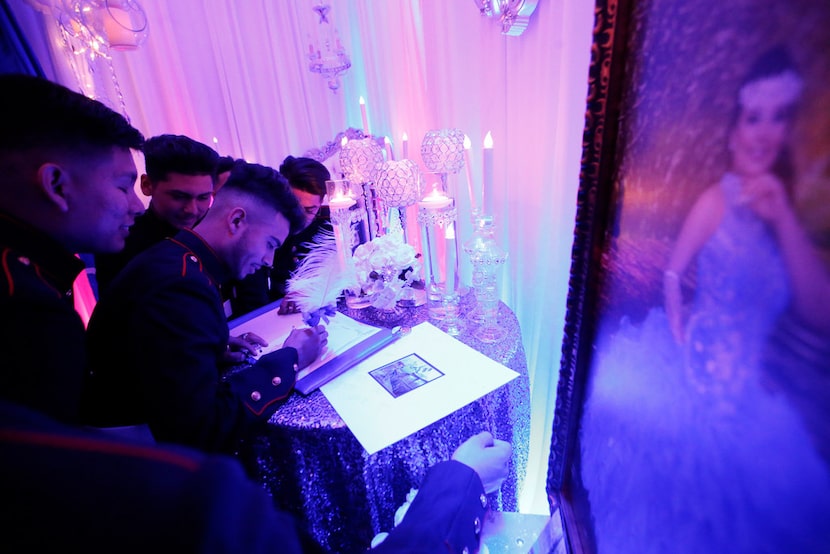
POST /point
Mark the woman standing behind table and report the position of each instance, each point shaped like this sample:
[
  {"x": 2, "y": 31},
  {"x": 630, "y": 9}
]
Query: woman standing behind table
[
  {"x": 724, "y": 462},
  {"x": 307, "y": 178}
]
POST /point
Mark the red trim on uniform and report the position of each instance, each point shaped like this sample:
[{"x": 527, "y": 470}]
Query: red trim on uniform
[
  {"x": 7, "y": 272},
  {"x": 186, "y": 255},
  {"x": 260, "y": 412},
  {"x": 46, "y": 282},
  {"x": 91, "y": 444},
  {"x": 199, "y": 237}
]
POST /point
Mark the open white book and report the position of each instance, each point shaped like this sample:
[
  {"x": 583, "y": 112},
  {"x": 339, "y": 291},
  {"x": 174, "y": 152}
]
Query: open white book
[{"x": 345, "y": 333}]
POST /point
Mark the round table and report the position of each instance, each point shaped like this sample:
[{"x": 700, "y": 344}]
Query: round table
[{"x": 315, "y": 468}]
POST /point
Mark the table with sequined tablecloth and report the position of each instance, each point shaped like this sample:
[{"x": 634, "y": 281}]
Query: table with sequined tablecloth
[{"x": 315, "y": 468}]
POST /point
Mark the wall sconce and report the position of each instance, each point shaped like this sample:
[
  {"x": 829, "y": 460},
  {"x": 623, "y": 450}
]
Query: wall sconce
[{"x": 514, "y": 15}]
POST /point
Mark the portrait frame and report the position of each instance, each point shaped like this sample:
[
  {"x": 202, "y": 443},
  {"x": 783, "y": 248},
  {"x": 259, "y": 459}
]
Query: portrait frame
[{"x": 611, "y": 280}]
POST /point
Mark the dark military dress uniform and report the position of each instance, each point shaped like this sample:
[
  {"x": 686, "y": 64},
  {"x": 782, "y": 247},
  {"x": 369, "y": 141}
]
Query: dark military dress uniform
[
  {"x": 42, "y": 336},
  {"x": 147, "y": 230},
  {"x": 156, "y": 342}
]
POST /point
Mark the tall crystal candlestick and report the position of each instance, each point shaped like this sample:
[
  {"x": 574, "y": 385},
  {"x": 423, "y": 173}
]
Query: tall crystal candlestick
[
  {"x": 340, "y": 202},
  {"x": 388, "y": 146},
  {"x": 487, "y": 259},
  {"x": 364, "y": 117},
  {"x": 487, "y": 180},
  {"x": 405, "y": 146}
]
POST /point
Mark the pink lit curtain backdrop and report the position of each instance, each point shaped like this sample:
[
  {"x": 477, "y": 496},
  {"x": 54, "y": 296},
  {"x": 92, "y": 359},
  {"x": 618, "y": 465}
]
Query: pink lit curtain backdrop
[{"x": 237, "y": 71}]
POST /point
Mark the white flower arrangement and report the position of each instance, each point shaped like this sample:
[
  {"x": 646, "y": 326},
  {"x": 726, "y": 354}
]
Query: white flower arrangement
[{"x": 385, "y": 268}]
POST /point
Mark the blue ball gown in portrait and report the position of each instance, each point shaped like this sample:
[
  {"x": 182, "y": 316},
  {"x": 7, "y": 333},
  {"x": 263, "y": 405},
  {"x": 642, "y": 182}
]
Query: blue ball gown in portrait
[{"x": 683, "y": 447}]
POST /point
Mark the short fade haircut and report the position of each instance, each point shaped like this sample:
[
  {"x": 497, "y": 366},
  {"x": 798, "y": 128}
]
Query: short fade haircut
[
  {"x": 267, "y": 186},
  {"x": 166, "y": 154},
  {"x": 39, "y": 115}
]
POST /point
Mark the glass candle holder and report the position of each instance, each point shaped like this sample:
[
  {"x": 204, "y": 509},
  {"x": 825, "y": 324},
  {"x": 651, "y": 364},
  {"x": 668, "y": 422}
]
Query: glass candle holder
[
  {"x": 436, "y": 216},
  {"x": 348, "y": 216},
  {"x": 487, "y": 259}
]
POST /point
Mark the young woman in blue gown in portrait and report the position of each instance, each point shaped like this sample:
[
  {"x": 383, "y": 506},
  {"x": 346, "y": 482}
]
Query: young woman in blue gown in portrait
[{"x": 686, "y": 445}]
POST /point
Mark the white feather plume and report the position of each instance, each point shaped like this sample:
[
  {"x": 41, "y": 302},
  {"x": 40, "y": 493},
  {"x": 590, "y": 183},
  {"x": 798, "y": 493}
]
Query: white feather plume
[{"x": 321, "y": 275}]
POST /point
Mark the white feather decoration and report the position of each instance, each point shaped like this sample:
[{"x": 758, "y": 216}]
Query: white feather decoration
[{"x": 320, "y": 277}]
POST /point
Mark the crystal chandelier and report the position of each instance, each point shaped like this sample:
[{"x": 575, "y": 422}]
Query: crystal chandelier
[
  {"x": 93, "y": 28},
  {"x": 89, "y": 31},
  {"x": 326, "y": 54},
  {"x": 514, "y": 15}
]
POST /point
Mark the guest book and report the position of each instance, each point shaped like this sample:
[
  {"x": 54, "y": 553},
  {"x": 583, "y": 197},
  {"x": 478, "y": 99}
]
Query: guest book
[{"x": 348, "y": 342}]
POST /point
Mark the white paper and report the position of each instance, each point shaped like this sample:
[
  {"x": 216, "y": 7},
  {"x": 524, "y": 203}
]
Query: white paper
[
  {"x": 378, "y": 419},
  {"x": 344, "y": 332}
]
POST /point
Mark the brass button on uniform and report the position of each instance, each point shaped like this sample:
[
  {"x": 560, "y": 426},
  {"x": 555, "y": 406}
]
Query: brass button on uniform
[
  {"x": 193, "y": 259},
  {"x": 255, "y": 396},
  {"x": 276, "y": 381},
  {"x": 465, "y": 551},
  {"x": 296, "y": 368},
  {"x": 477, "y": 526},
  {"x": 483, "y": 500}
]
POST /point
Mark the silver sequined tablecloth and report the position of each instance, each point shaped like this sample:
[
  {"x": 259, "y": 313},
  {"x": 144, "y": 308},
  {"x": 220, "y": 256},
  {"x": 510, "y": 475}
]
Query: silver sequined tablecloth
[{"x": 315, "y": 468}]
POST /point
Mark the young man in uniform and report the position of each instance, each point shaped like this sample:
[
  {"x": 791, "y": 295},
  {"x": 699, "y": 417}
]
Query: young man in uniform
[
  {"x": 179, "y": 180},
  {"x": 158, "y": 339}
]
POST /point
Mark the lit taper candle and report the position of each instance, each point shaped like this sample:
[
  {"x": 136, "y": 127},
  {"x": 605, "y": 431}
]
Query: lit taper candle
[{"x": 487, "y": 189}]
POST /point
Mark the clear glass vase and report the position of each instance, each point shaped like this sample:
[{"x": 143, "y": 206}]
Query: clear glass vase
[{"x": 487, "y": 259}]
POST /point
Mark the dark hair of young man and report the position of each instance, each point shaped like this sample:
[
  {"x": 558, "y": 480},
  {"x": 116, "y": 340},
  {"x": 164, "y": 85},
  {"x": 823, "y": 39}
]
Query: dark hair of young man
[
  {"x": 268, "y": 187},
  {"x": 36, "y": 115},
  {"x": 306, "y": 174},
  {"x": 165, "y": 154}
]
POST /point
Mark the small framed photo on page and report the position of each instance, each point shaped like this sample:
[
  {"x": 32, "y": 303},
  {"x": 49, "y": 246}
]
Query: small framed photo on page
[{"x": 405, "y": 374}]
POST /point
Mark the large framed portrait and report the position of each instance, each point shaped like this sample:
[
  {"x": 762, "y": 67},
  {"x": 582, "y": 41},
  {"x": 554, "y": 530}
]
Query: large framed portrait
[{"x": 693, "y": 406}]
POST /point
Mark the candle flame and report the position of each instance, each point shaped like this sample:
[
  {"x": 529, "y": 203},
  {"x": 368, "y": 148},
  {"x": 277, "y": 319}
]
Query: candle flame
[
  {"x": 386, "y": 140},
  {"x": 362, "y": 101},
  {"x": 404, "y": 137},
  {"x": 467, "y": 143},
  {"x": 343, "y": 141},
  {"x": 488, "y": 140}
]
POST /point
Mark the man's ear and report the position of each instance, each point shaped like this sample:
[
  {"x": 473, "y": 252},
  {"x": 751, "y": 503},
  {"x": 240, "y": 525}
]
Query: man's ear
[
  {"x": 146, "y": 185},
  {"x": 52, "y": 180},
  {"x": 237, "y": 220}
]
